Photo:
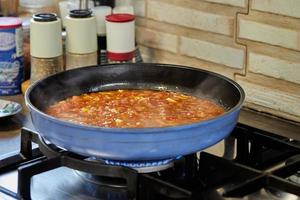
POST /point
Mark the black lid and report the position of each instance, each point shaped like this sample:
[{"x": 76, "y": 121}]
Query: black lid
[
  {"x": 80, "y": 13},
  {"x": 45, "y": 17}
]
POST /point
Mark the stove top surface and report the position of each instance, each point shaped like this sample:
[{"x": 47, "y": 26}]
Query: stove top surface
[
  {"x": 74, "y": 186},
  {"x": 256, "y": 165}
]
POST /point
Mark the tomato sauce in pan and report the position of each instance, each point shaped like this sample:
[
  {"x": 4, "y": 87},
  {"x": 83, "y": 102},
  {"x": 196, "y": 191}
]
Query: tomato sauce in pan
[{"x": 134, "y": 109}]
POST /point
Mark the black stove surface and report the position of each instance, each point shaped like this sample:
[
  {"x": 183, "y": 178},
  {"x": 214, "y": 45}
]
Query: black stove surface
[{"x": 257, "y": 162}]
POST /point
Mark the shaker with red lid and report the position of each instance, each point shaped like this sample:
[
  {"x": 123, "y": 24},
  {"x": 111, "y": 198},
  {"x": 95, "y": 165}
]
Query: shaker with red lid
[{"x": 120, "y": 37}]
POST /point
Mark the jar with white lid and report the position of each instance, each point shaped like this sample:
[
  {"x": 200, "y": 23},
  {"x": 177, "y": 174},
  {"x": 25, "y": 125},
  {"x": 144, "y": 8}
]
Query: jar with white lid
[
  {"x": 120, "y": 34},
  {"x": 45, "y": 46},
  {"x": 81, "y": 39}
]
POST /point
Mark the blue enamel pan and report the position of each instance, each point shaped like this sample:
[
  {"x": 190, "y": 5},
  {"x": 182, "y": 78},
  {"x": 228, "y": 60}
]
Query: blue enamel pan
[{"x": 140, "y": 144}]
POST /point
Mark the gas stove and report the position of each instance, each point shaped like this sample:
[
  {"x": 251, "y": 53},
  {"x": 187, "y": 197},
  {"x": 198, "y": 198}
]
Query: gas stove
[{"x": 256, "y": 165}]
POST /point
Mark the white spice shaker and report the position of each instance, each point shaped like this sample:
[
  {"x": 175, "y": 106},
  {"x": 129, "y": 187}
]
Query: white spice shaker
[
  {"x": 45, "y": 45},
  {"x": 120, "y": 36},
  {"x": 81, "y": 40}
]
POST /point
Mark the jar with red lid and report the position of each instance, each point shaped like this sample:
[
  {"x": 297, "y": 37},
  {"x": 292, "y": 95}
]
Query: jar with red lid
[{"x": 120, "y": 35}]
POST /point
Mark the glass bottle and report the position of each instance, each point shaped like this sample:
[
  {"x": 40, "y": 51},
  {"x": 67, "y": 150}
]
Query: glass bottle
[{"x": 100, "y": 13}]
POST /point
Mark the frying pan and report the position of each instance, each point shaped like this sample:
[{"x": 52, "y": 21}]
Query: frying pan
[{"x": 134, "y": 144}]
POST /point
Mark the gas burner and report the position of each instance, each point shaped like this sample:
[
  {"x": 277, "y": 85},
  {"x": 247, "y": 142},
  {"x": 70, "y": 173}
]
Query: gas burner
[
  {"x": 140, "y": 166},
  {"x": 145, "y": 166}
]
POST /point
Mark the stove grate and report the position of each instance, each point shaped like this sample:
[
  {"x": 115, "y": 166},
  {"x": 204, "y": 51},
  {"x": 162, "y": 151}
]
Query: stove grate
[{"x": 190, "y": 177}]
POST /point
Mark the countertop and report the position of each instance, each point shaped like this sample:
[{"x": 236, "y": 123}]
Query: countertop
[{"x": 10, "y": 128}]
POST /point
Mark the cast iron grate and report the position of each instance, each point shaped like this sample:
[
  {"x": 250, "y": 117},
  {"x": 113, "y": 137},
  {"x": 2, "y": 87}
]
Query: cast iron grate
[
  {"x": 137, "y": 57},
  {"x": 190, "y": 178}
]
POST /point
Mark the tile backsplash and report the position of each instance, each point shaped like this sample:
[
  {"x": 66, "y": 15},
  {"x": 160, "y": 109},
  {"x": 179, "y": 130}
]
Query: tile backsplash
[{"x": 255, "y": 42}]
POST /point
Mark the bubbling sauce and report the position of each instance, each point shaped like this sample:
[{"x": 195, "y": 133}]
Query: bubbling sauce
[{"x": 134, "y": 109}]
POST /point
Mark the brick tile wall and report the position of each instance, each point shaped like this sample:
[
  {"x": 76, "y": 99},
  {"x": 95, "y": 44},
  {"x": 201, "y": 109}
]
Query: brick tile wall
[
  {"x": 240, "y": 3},
  {"x": 282, "y": 7},
  {"x": 214, "y": 52},
  {"x": 180, "y": 14},
  {"x": 280, "y": 31},
  {"x": 255, "y": 42}
]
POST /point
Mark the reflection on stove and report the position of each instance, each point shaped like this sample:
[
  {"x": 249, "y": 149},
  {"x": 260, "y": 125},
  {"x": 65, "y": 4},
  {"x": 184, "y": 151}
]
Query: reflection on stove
[{"x": 68, "y": 185}]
